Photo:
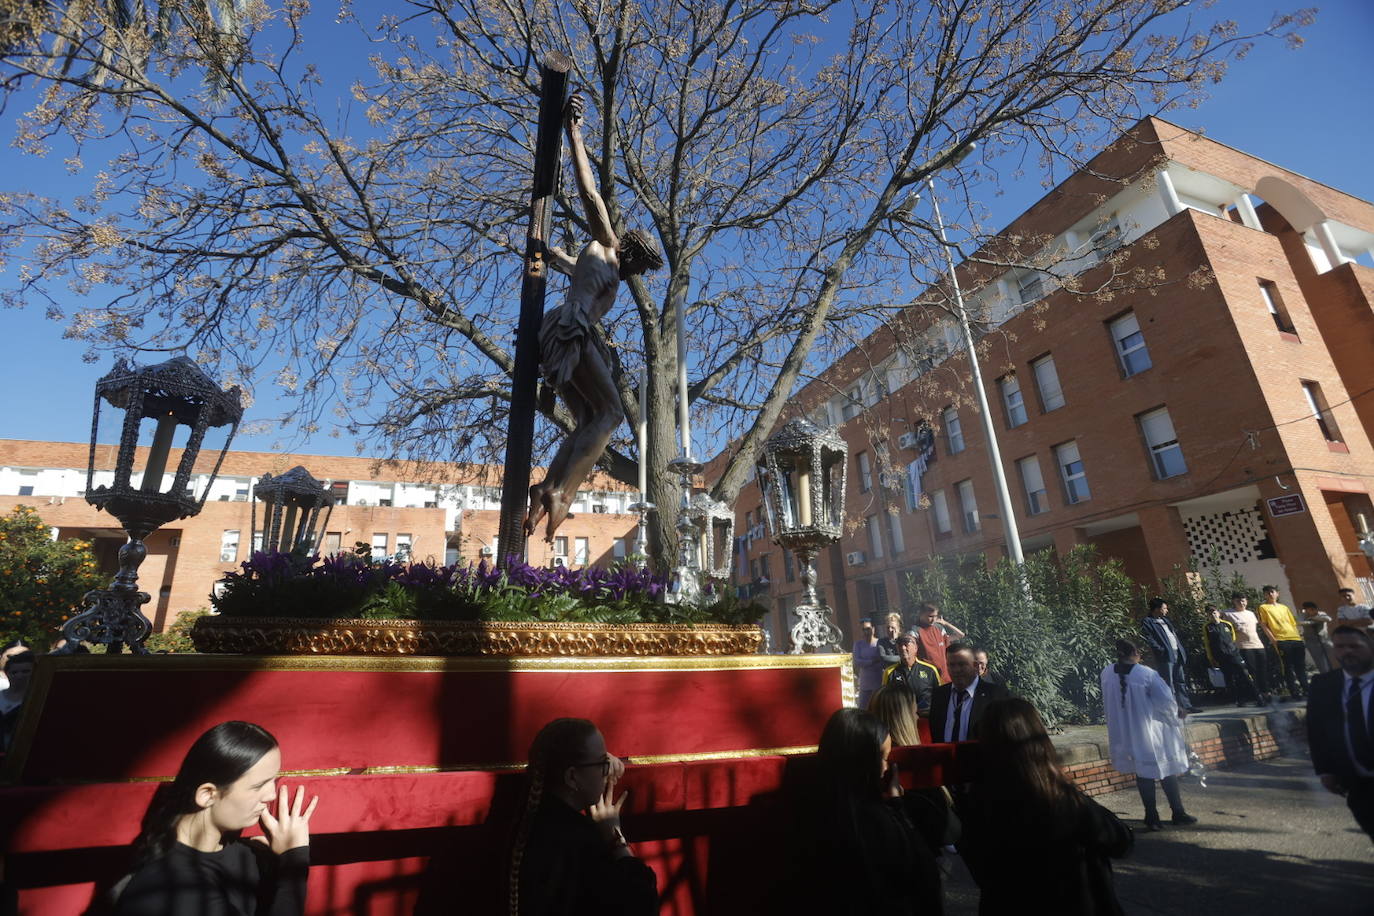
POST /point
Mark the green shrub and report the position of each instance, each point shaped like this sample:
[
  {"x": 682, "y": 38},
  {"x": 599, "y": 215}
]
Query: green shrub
[{"x": 1048, "y": 627}]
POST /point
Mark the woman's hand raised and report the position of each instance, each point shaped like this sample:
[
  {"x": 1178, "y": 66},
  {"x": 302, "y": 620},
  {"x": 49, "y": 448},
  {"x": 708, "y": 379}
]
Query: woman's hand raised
[{"x": 290, "y": 829}]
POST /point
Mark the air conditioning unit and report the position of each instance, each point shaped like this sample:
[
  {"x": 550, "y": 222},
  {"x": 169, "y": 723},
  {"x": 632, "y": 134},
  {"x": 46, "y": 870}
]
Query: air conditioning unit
[
  {"x": 362, "y": 502},
  {"x": 906, "y": 440},
  {"x": 854, "y": 558},
  {"x": 560, "y": 561},
  {"x": 485, "y": 552}
]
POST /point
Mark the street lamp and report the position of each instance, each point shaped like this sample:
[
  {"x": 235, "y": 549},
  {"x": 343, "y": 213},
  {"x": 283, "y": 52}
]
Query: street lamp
[
  {"x": 291, "y": 510},
  {"x": 171, "y": 394},
  {"x": 999, "y": 477},
  {"x": 801, "y": 472}
]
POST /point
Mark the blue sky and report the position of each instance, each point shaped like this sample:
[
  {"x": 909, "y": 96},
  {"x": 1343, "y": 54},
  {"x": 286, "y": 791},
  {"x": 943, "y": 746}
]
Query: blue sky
[{"x": 1305, "y": 109}]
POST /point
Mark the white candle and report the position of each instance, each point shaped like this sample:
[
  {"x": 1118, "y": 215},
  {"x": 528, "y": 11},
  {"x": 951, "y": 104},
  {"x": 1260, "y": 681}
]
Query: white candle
[
  {"x": 803, "y": 498},
  {"x": 157, "y": 455},
  {"x": 683, "y": 421},
  {"x": 642, "y": 433}
]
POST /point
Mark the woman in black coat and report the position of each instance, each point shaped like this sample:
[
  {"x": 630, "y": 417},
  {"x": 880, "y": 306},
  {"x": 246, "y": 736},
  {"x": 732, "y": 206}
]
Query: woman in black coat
[
  {"x": 1029, "y": 830},
  {"x": 859, "y": 851}
]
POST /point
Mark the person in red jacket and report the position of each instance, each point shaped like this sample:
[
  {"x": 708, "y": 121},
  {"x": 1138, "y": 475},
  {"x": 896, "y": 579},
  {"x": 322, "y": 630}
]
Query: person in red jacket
[{"x": 934, "y": 634}]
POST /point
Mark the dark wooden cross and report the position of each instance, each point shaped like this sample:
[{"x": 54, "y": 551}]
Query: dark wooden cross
[{"x": 515, "y": 484}]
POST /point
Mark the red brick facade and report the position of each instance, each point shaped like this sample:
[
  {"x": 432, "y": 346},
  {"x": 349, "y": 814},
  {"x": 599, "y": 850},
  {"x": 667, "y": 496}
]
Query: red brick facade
[{"x": 1230, "y": 378}]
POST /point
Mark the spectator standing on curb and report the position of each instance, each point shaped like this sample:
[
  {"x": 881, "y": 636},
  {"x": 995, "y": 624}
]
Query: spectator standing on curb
[
  {"x": 1171, "y": 659},
  {"x": 985, "y": 670},
  {"x": 1282, "y": 628},
  {"x": 868, "y": 663},
  {"x": 1219, "y": 636},
  {"x": 919, "y": 677},
  {"x": 1348, "y": 612},
  {"x": 1145, "y": 732},
  {"x": 1249, "y": 643},
  {"x": 1339, "y": 727},
  {"x": 887, "y": 643},
  {"x": 1314, "y": 624},
  {"x": 935, "y": 634}
]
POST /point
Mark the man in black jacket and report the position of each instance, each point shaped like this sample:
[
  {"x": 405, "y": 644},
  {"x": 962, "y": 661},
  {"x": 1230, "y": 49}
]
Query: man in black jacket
[
  {"x": 1171, "y": 659},
  {"x": 1340, "y": 730},
  {"x": 956, "y": 707}
]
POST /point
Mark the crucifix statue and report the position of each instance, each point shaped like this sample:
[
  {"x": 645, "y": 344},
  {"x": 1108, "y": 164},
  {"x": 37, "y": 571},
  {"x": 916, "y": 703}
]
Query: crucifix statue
[{"x": 573, "y": 356}]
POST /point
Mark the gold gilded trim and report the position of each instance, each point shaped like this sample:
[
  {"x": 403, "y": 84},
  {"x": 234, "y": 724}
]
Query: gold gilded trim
[
  {"x": 428, "y": 664},
  {"x": 560, "y": 639},
  {"x": 636, "y": 760}
]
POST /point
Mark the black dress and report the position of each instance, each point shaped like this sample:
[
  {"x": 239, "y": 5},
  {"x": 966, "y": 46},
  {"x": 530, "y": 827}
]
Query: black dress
[
  {"x": 243, "y": 879},
  {"x": 1058, "y": 859},
  {"x": 567, "y": 870}
]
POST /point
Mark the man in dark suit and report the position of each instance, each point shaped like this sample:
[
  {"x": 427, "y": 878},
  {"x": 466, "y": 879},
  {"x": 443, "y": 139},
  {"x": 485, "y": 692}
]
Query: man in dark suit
[
  {"x": 1340, "y": 723},
  {"x": 956, "y": 707},
  {"x": 1171, "y": 659}
]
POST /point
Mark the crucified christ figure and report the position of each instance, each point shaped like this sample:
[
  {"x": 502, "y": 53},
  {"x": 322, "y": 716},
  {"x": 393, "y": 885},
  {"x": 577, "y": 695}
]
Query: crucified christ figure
[{"x": 572, "y": 356}]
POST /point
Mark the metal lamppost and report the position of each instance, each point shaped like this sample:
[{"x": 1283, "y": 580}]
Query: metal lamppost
[
  {"x": 714, "y": 522},
  {"x": 174, "y": 393},
  {"x": 291, "y": 510},
  {"x": 999, "y": 477},
  {"x": 801, "y": 473}
]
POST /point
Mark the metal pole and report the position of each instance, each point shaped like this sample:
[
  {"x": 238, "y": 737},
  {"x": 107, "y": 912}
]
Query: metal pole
[
  {"x": 515, "y": 482},
  {"x": 999, "y": 478}
]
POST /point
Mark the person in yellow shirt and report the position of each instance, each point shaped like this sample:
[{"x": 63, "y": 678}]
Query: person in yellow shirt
[{"x": 1278, "y": 621}]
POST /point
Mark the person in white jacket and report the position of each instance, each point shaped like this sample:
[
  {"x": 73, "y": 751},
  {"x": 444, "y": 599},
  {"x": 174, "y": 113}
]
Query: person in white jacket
[{"x": 1145, "y": 731}]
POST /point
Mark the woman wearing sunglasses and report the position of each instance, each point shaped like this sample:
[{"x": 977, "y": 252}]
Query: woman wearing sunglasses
[{"x": 570, "y": 856}]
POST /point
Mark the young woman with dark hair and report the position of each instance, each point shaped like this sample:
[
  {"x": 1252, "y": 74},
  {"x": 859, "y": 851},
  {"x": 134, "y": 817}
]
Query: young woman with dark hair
[
  {"x": 1026, "y": 825},
  {"x": 189, "y": 857},
  {"x": 565, "y": 862},
  {"x": 1145, "y": 732},
  {"x": 860, "y": 852}
]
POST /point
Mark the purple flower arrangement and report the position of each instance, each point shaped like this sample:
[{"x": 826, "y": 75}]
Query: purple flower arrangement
[{"x": 351, "y": 586}]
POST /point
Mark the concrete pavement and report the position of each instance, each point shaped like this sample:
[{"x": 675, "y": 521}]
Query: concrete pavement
[{"x": 1269, "y": 840}]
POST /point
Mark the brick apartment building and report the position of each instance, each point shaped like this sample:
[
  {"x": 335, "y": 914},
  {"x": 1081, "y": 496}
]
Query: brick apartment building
[
  {"x": 1227, "y": 412},
  {"x": 452, "y": 514}
]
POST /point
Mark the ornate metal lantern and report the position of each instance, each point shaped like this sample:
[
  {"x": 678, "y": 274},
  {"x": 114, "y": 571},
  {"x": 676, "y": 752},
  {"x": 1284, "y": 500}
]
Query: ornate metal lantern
[
  {"x": 171, "y": 394},
  {"x": 291, "y": 509},
  {"x": 715, "y": 529},
  {"x": 801, "y": 473}
]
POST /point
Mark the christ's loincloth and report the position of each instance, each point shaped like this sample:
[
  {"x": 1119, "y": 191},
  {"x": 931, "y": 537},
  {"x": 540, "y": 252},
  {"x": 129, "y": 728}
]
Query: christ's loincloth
[{"x": 566, "y": 338}]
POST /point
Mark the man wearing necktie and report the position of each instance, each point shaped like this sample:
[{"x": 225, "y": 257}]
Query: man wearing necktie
[
  {"x": 956, "y": 707},
  {"x": 1340, "y": 730}
]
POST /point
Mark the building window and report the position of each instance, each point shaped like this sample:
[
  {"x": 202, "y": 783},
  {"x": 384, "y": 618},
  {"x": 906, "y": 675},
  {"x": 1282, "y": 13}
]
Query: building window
[
  {"x": 241, "y": 494},
  {"x": 1321, "y": 411},
  {"x": 1274, "y": 302},
  {"x": 1037, "y": 497},
  {"x": 1030, "y": 286},
  {"x": 257, "y": 542},
  {"x": 560, "y": 546},
  {"x": 1047, "y": 381},
  {"x": 765, "y": 568},
  {"x": 968, "y": 506},
  {"x": 894, "y": 530},
  {"x": 618, "y": 549},
  {"x": 1071, "y": 470},
  {"x": 954, "y": 433},
  {"x": 865, "y": 468},
  {"x": 853, "y": 403},
  {"x": 26, "y": 489},
  {"x": 1012, "y": 401},
  {"x": 1130, "y": 345},
  {"x": 940, "y": 504},
  {"x": 1165, "y": 453},
  {"x": 378, "y": 546},
  {"x": 582, "y": 548},
  {"x": 875, "y": 537},
  {"x": 789, "y": 567},
  {"x": 339, "y": 491},
  {"x": 403, "y": 548},
  {"x": 333, "y": 543},
  {"x": 229, "y": 546}
]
